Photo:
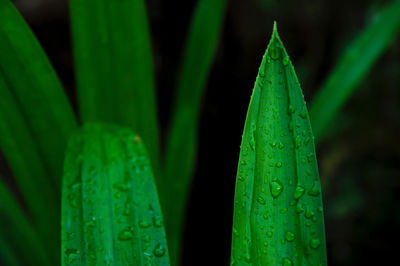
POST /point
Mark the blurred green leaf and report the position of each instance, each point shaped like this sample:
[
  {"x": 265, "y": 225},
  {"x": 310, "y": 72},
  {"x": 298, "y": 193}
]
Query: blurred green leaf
[
  {"x": 114, "y": 66},
  {"x": 200, "y": 48},
  {"x": 19, "y": 243},
  {"x": 353, "y": 66},
  {"x": 110, "y": 209},
  {"x": 278, "y": 215},
  {"x": 35, "y": 122}
]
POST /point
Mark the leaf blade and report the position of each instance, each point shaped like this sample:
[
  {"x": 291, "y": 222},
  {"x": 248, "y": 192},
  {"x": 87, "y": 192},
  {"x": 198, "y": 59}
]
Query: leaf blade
[
  {"x": 109, "y": 188},
  {"x": 351, "y": 68},
  {"x": 200, "y": 48},
  {"x": 18, "y": 239},
  {"x": 277, "y": 173},
  {"x": 114, "y": 67},
  {"x": 36, "y": 90}
]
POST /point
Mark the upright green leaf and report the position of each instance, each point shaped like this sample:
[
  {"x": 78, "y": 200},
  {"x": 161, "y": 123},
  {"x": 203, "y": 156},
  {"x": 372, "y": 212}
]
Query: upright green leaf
[
  {"x": 353, "y": 66},
  {"x": 35, "y": 122},
  {"x": 19, "y": 243},
  {"x": 180, "y": 156},
  {"x": 114, "y": 67},
  {"x": 36, "y": 93},
  {"x": 110, "y": 208},
  {"x": 278, "y": 216}
]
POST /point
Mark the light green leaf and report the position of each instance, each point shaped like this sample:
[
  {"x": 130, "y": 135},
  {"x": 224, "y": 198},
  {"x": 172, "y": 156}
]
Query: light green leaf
[
  {"x": 110, "y": 208},
  {"x": 114, "y": 67},
  {"x": 278, "y": 216},
  {"x": 353, "y": 66},
  {"x": 200, "y": 48},
  {"x": 19, "y": 243}
]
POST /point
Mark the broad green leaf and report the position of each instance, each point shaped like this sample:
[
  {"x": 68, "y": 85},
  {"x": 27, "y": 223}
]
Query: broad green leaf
[
  {"x": 19, "y": 243},
  {"x": 198, "y": 55},
  {"x": 278, "y": 216},
  {"x": 353, "y": 66},
  {"x": 110, "y": 208},
  {"x": 114, "y": 67},
  {"x": 36, "y": 92},
  {"x": 35, "y": 122}
]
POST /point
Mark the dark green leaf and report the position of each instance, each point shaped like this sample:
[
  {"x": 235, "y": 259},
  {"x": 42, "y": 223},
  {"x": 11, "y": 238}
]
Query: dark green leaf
[
  {"x": 35, "y": 122},
  {"x": 110, "y": 208},
  {"x": 353, "y": 66},
  {"x": 114, "y": 66},
  {"x": 197, "y": 58},
  {"x": 278, "y": 216},
  {"x": 19, "y": 243}
]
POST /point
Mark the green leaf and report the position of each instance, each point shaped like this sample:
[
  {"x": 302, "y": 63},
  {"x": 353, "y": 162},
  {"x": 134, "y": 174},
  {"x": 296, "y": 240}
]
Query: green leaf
[
  {"x": 278, "y": 216},
  {"x": 110, "y": 208},
  {"x": 114, "y": 67},
  {"x": 200, "y": 48},
  {"x": 35, "y": 89},
  {"x": 353, "y": 66},
  {"x": 19, "y": 243},
  {"x": 35, "y": 122}
]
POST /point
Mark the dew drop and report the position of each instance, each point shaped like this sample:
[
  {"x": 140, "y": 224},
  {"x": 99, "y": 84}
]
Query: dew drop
[
  {"x": 287, "y": 262},
  {"x": 71, "y": 255},
  {"x": 275, "y": 51},
  {"x": 276, "y": 188},
  {"x": 279, "y": 164},
  {"x": 315, "y": 243},
  {"x": 157, "y": 221},
  {"x": 314, "y": 191},
  {"x": 144, "y": 224},
  {"x": 285, "y": 61},
  {"x": 281, "y": 146},
  {"x": 261, "y": 200},
  {"x": 298, "y": 192},
  {"x": 125, "y": 235},
  {"x": 159, "y": 250},
  {"x": 290, "y": 236},
  {"x": 269, "y": 234}
]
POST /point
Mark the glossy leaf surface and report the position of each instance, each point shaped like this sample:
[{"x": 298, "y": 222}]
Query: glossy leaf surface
[
  {"x": 278, "y": 215},
  {"x": 353, "y": 66},
  {"x": 114, "y": 67},
  {"x": 110, "y": 208}
]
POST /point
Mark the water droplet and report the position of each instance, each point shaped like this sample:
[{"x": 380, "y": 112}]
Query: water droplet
[
  {"x": 314, "y": 191},
  {"x": 157, "y": 221},
  {"x": 123, "y": 187},
  {"x": 125, "y": 235},
  {"x": 159, "y": 250},
  {"x": 309, "y": 213},
  {"x": 290, "y": 236},
  {"x": 303, "y": 113},
  {"x": 71, "y": 254},
  {"x": 310, "y": 157},
  {"x": 299, "y": 208},
  {"x": 276, "y": 188},
  {"x": 315, "y": 243},
  {"x": 292, "y": 109},
  {"x": 285, "y": 60},
  {"x": 284, "y": 210},
  {"x": 279, "y": 164},
  {"x": 144, "y": 224},
  {"x": 287, "y": 262},
  {"x": 281, "y": 146},
  {"x": 261, "y": 200},
  {"x": 269, "y": 233},
  {"x": 298, "y": 192},
  {"x": 275, "y": 51}
]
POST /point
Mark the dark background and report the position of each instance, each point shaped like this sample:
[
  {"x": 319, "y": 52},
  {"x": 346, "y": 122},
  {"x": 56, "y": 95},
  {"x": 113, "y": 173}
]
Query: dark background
[{"x": 359, "y": 160}]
